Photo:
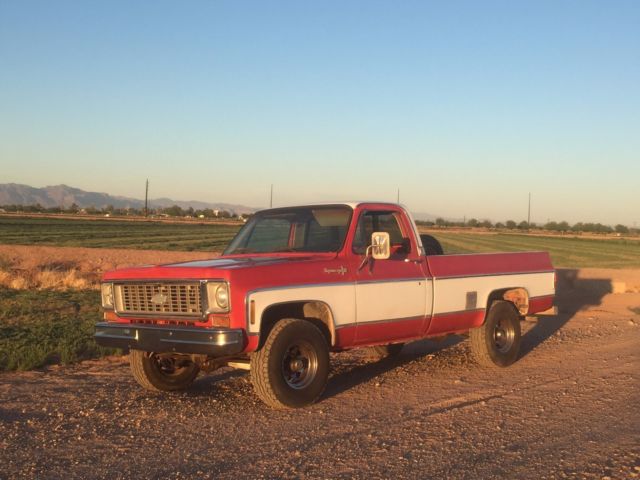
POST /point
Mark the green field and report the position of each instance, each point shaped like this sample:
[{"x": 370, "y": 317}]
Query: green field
[
  {"x": 565, "y": 251},
  {"x": 144, "y": 235},
  {"x": 45, "y": 327}
]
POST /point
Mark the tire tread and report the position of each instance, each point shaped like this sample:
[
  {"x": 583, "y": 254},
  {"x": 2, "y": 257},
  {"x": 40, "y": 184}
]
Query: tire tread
[
  {"x": 262, "y": 378},
  {"x": 478, "y": 336}
]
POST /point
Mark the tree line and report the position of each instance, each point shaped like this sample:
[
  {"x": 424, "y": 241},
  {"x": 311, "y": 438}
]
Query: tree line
[
  {"x": 110, "y": 210},
  {"x": 176, "y": 211},
  {"x": 560, "y": 227}
]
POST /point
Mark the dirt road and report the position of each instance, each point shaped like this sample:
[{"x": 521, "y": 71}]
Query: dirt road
[{"x": 569, "y": 408}]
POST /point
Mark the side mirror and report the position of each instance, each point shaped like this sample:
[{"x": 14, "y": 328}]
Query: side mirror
[{"x": 380, "y": 245}]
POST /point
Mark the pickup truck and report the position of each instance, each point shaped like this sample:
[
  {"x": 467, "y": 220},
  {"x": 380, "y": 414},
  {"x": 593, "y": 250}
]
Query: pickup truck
[{"x": 300, "y": 282}]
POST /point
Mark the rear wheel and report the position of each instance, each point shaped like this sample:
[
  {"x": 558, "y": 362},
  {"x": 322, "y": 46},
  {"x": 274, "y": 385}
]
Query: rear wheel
[
  {"x": 497, "y": 342},
  {"x": 292, "y": 368},
  {"x": 162, "y": 372}
]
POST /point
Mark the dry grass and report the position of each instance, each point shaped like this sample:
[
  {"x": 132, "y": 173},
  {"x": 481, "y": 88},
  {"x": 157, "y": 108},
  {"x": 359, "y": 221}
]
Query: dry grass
[
  {"x": 60, "y": 280},
  {"x": 45, "y": 277},
  {"x": 4, "y": 277}
]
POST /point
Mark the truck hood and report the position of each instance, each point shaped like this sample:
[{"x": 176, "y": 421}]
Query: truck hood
[{"x": 215, "y": 268}]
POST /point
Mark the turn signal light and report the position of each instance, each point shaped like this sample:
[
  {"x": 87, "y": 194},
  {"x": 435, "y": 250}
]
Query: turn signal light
[{"x": 220, "y": 320}]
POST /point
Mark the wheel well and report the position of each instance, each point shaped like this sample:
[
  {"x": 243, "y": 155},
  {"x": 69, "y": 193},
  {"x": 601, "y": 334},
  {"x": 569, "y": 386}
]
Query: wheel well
[
  {"x": 313, "y": 311},
  {"x": 518, "y": 296}
]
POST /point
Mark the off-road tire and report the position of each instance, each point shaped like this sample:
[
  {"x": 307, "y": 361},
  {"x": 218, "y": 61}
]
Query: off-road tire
[
  {"x": 379, "y": 352},
  {"x": 497, "y": 341},
  {"x": 148, "y": 371},
  {"x": 292, "y": 367},
  {"x": 431, "y": 245}
]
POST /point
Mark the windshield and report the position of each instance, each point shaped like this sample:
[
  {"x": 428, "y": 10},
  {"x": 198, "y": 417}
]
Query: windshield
[{"x": 299, "y": 229}]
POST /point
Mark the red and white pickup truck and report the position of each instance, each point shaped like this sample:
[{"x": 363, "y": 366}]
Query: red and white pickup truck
[{"x": 297, "y": 283}]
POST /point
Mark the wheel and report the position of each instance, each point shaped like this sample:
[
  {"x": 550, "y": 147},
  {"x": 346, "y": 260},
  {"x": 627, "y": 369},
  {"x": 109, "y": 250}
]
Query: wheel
[
  {"x": 431, "y": 245},
  {"x": 497, "y": 342},
  {"x": 379, "y": 352},
  {"x": 160, "y": 372},
  {"x": 292, "y": 368}
]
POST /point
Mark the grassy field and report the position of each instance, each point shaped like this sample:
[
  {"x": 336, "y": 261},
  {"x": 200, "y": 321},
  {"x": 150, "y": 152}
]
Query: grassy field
[
  {"x": 42, "y": 327},
  {"x": 565, "y": 251},
  {"x": 115, "y": 234}
]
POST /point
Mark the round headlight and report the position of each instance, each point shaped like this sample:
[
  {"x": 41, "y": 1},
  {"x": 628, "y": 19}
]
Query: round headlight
[{"x": 222, "y": 296}]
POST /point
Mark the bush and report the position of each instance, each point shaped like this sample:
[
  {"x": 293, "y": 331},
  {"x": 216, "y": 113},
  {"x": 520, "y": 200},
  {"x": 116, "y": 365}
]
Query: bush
[{"x": 44, "y": 327}]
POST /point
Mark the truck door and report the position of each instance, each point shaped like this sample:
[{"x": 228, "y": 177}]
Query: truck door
[{"x": 391, "y": 295}]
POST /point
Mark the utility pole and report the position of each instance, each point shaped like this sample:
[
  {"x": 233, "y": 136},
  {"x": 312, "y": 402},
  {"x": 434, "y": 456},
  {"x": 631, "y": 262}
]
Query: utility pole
[
  {"x": 146, "y": 199},
  {"x": 398, "y": 201},
  {"x": 529, "y": 213},
  {"x": 271, "y": 198}
]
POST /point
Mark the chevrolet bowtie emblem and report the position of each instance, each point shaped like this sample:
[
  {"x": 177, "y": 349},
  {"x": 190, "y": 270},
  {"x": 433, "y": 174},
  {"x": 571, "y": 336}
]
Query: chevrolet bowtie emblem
[
  {"x": 339, "y": 271},
  {"x": 159, "y": 299}
]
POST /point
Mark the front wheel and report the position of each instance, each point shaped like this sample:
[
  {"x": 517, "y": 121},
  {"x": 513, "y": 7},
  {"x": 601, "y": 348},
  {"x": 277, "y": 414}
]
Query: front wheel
[
  {"x": 162, "y": 372},
  {"x": 497, "y": 342},
  {"x": 292, "y": 368}
]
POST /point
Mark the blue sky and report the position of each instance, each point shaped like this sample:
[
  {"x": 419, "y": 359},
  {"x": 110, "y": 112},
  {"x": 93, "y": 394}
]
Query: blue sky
[{"x": 464, "y": 106}]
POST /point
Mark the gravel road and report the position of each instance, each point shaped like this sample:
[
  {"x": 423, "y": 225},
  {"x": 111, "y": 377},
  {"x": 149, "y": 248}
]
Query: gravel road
[{"x": 569, "y": 408}]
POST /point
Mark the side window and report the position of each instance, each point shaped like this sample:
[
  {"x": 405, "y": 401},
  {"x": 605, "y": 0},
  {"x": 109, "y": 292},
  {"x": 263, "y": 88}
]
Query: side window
[{"x": 370, "y": 222}]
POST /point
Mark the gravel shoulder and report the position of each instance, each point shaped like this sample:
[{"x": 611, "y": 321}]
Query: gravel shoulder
[{"x": 567, "y": 409}]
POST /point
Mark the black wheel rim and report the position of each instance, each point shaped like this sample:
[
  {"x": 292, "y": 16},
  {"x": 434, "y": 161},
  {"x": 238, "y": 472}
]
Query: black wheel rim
[
  {"x": 299, "y": 365},
  {"x": 504, "y": 335}
]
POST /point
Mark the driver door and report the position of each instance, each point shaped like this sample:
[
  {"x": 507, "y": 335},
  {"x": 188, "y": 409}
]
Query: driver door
[{"x": 390, "y": 294}]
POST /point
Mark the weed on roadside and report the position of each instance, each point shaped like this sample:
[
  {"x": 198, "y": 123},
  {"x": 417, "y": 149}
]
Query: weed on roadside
[{"x": 45, "y": 327}]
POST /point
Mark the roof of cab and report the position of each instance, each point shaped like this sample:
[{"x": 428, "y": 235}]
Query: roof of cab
[{"x": 353, "y": 204}]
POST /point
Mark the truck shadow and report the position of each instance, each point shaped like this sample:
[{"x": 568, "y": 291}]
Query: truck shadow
[
  {"x": 347, "y": 378},
  {"x": 573, "y": 295}
]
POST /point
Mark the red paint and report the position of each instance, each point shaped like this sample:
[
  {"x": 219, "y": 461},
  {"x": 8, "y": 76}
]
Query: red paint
[
  {"x": 345, "y": 336},
  {"x": 444, "y": 266},
  {"x": 252, "y": 343},
  {"x": 540, "y": 304},
  {"x": 455, "y": 322},
  {"x": 388, "y": 331}
]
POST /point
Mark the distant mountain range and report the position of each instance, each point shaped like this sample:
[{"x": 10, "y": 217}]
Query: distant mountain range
[{"x": 64, "y": 196}]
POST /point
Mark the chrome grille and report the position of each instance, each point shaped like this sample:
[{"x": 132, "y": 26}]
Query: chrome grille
[{"x": 181, "y": 299}]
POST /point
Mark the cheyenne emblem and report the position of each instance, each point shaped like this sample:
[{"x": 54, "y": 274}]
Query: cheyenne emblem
[{"x": 340, "y": 271}]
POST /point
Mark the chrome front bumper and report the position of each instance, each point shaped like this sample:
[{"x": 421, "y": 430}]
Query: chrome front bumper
[{"x": 217, "y": 342}]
